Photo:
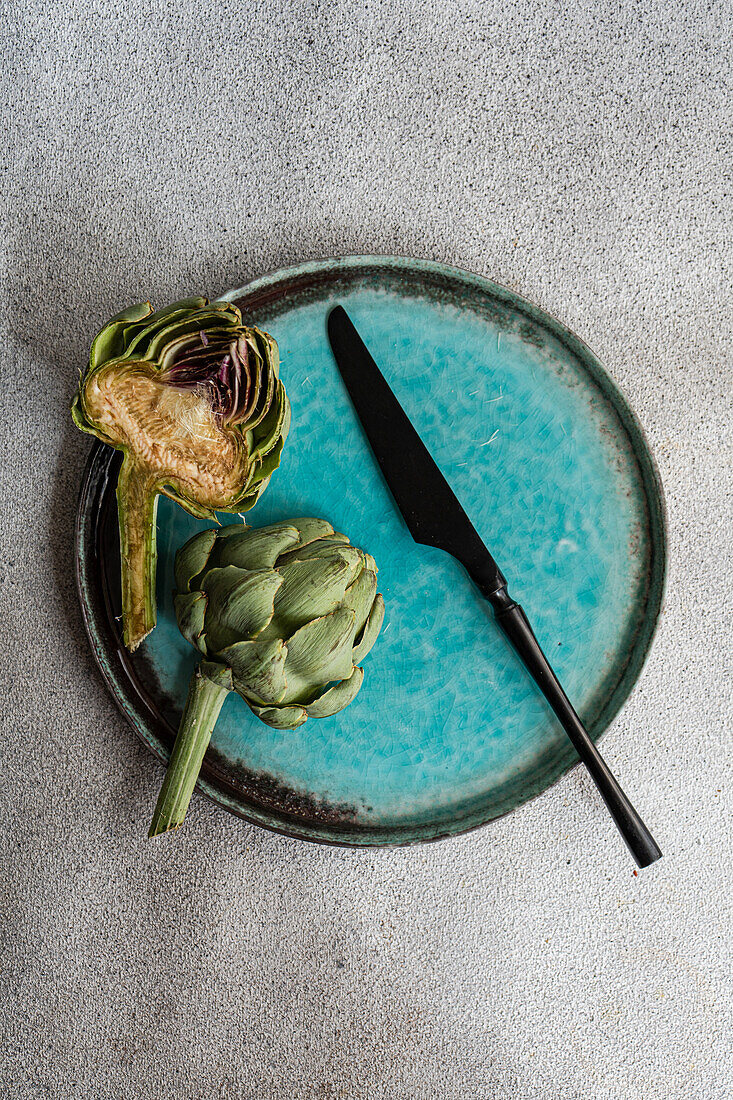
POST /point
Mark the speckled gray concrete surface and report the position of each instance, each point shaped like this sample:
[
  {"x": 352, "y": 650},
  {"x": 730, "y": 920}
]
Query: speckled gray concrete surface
[{"x": 578, "y": 153}]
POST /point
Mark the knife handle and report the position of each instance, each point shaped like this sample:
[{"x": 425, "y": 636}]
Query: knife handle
[{"x": 515, "y": 625}]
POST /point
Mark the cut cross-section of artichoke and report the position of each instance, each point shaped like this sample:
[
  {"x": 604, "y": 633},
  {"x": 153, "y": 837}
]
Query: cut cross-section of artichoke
[{"x": 193, "y": 399}]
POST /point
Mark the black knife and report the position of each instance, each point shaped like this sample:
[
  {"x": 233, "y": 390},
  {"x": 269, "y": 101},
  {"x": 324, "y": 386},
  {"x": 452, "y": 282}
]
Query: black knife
[{"x": 435, "y": 518}]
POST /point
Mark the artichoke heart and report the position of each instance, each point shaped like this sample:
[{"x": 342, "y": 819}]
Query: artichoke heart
[
  {"x": 192, "y": 398},
  {"x": 169, "y": 431}
]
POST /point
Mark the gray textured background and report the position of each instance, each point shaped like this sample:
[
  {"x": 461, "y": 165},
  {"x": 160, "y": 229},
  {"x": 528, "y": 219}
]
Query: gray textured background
[{"x": 576, "y": 153}]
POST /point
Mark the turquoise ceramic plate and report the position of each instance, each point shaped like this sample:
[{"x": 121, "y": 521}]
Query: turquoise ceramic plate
[{"x": 448, "y": 731}]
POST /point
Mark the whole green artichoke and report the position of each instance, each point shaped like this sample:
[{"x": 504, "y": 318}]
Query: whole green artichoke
[
  {"x": 282, "y": 615},
  {"x": 192, "y": 398}
]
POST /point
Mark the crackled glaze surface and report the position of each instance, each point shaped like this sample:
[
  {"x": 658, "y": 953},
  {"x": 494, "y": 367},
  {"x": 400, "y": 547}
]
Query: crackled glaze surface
[{"x": 448, "y": 730}]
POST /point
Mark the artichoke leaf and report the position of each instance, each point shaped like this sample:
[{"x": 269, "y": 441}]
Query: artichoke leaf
[
  {"x": 229, "y": 529},
  {"x": 270, "y": 424},
  {"x": 219, "y": 674},
  {"x": 327, "y": 547},
  {"x": 371, "y": 629},
  {"x": 310, "y": 589},
  {"x": 267, "y": 349},
  {"x": 256, "y": 547},
  {"x": 268, "y": 387},
  {"x": 174, "y": 491},
  {"x": 359, "y": 596},
  {"x": 79, "y": 417},
  {"x": 258, "y": 669},
  {"x": 241, "y": 603},
  {"x": 109, "y": 343},
  {"x": 266, "y": 466},
  {"x": 190, "y": 609},
  {"x": 280, "y": 718},
  {"x": 191, "y": 559},
  {"x": 319, "y": 653},
  {"x": 310, "y": 528},
  {"x": 335, "y": 698}
]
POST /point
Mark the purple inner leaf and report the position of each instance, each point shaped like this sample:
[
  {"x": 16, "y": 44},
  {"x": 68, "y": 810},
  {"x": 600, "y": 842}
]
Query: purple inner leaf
[{"x": 219, "y": 370}]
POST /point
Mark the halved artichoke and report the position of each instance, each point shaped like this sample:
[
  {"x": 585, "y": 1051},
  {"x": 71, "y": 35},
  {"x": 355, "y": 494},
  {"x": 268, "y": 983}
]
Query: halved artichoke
[{"x": 192, "y": 397}]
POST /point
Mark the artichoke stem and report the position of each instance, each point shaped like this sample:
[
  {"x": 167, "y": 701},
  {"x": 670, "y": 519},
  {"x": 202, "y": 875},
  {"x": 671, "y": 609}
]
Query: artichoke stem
[
  {"x": 203, "y": 704},
  {"x": 137, "y": 506}
]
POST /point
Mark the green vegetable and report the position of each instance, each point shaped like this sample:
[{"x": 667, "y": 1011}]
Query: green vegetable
[
  {"x": 192, "y": 398},
  {"x": 282, "y": 615}
]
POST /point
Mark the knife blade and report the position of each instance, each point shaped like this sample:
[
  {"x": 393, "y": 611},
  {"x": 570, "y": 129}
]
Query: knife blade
[
  {"x": 436, "y": 518},
  {"x": 429, "y": 506}
]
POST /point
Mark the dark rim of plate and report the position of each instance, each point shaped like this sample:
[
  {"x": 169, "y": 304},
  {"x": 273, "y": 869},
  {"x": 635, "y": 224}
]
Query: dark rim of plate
[{"x": 288, "y": 812}]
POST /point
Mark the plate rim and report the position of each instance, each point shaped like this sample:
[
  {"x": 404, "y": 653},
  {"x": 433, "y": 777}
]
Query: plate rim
[{"x": 113, "y": 661}]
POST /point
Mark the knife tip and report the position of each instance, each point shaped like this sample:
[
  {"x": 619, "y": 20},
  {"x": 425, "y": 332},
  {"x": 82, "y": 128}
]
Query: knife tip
[
  {"x": 335, "y": 323},
  {"x": 336, "y": 313}
]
